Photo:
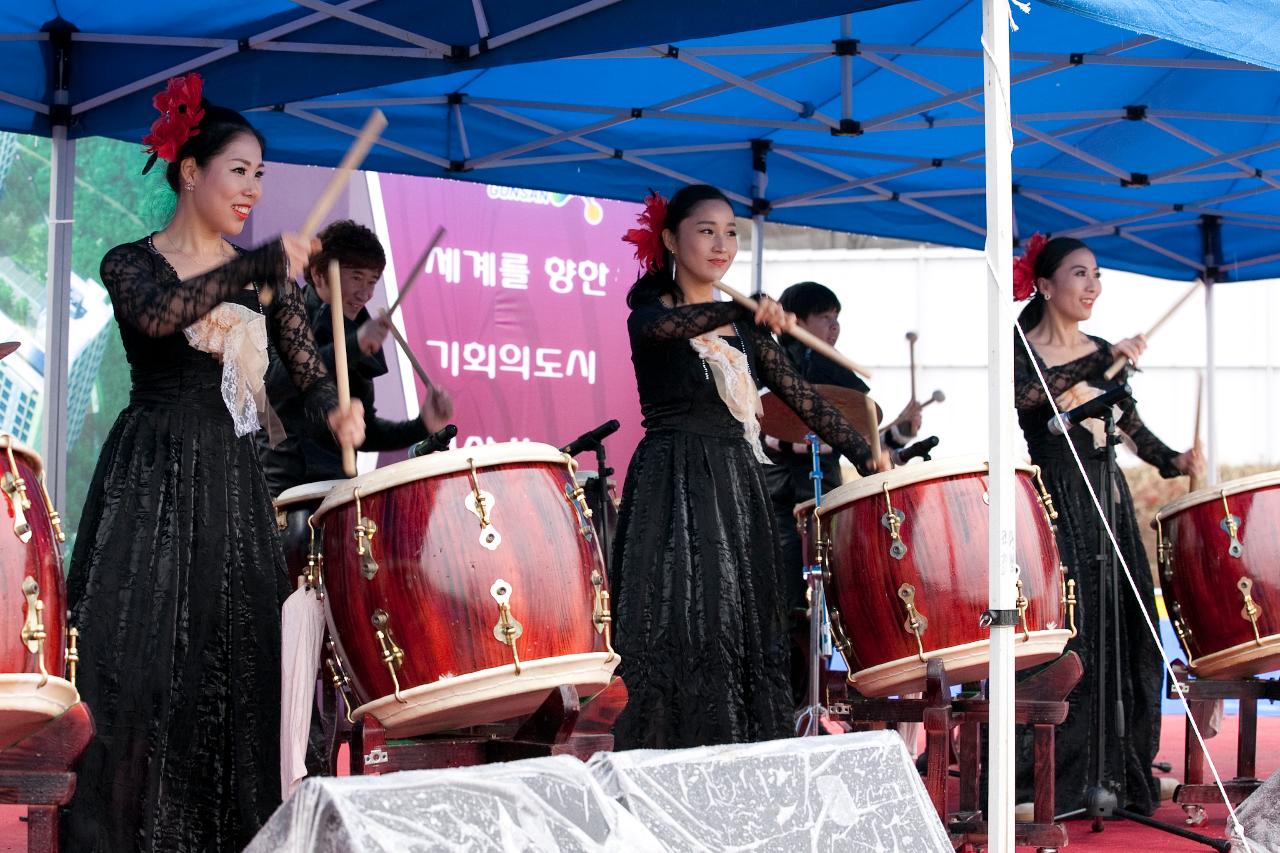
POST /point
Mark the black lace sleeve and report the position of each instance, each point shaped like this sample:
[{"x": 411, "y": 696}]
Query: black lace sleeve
[
  {"x": 656, "y": 323},
  {"x": 296, "y": 347},
  {"x": 780, "y": 374},
  {"x": 1150, "y": 449},
  {"x": 158, "y": 308},
  {"x": 1029, "y": 394}
]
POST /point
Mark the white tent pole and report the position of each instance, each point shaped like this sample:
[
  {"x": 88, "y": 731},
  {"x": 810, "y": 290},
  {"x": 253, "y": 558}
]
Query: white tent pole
[
  {"x": 1210, "y": 385},
  {"x": 1002, "y": 573},
  {"x": 62, "y": 182},
  {"x": 759, "y": 186}
]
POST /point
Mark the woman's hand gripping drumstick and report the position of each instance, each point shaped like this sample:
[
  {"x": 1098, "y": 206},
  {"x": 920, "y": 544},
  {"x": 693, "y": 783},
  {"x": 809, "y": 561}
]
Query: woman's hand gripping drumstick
[
  {"x": 347, "y": 423},
  {"x": 805, "y": 337},
  {"x": 373, "y": 127}
]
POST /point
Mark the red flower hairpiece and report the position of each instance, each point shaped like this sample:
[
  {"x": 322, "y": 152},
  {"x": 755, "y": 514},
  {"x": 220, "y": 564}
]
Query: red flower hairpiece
[
  {"x": 180, "y": 115},
  {"x": 1024, "y": 268},
  {"x": 648, "y": 238}
]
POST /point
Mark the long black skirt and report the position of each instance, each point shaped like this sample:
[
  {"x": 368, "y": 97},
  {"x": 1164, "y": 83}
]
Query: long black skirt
[
  {"x": 699, "y": 611},
  {"x": 175, "y": 586}
]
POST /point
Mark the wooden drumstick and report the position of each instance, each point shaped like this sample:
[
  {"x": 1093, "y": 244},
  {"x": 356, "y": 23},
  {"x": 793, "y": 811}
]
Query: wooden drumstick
[
  {"x": 912, "y": 337},
  {"x": 1118, "y": 364},
  {"x": 340, "y": 359},
  {"x": 373, "y": 127},
  {"x": 802, "y": 335},
  {"x": 936, "y": 397},
  {"x": 1197, "y": 480},
  {"x": 417, "y": 271},
  {"x": 408, "y": 353},
  {"x": 874, "y": 438}
]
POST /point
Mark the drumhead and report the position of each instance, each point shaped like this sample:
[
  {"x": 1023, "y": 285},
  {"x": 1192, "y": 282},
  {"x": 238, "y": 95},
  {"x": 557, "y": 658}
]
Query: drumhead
[
  {"x": 32, "y": 458},
  {"x": 908, "y": 475},
  {"x": 439, "y": 464},
  {"x": 305, "y": 493},
  {"x": 1215, "y": 493}
]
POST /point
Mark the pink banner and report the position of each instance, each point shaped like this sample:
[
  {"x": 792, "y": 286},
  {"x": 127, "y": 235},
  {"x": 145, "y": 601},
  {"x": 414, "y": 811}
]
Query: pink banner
[{"x": 521, "y": 311}]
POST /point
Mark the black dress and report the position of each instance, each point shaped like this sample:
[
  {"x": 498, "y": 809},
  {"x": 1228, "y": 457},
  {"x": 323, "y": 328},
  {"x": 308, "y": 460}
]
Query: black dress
[
  {"x": 177, "y": 577},
  {"x": 699, "y": 611},
  {"x": 1140, "y": 668}
]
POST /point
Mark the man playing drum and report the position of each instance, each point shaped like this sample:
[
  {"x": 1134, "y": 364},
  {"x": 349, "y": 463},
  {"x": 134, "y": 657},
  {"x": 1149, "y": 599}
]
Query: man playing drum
[{"x": 308, "y": 453}]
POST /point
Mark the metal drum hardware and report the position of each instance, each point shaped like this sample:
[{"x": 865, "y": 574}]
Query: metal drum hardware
[
  {"x": 508, "y": 629},
  {"x": 392, "y": 655},
  {"x": 479, "y": 503},
  {"x": 33, "y": 632},
  {"x": 1231, "y": 525},
  {"x": 1251, "y": 610},
  {"x": 600, "y": 614},
  {"x": 365, "y": 529},
  {"x": 892, "y": 519},
  {"x": 73, "y": 653},
  {"x": 916, "y": 622}
]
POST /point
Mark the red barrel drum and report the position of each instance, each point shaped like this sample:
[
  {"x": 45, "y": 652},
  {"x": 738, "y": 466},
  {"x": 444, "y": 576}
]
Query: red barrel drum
[
  {"x": 906, "y": 553},
  {"x": 33, "y": 622},
  {"x": 1219, "y": 556},
  {"x": 294, "y": 508},
  {"x": 463, "y": 586}
]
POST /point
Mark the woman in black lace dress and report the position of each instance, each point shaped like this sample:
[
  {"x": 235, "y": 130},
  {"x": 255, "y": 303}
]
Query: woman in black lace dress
[
  {"x": 1062, "y": 277},
  {"x": 700, "y": 623},
  {"x": 177, "y": 577}
]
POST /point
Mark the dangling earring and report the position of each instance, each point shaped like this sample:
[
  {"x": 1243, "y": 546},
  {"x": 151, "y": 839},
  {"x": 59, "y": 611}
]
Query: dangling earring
[
  {"x": 1046, "y": 296},
  {"x": 673, "y": 269},
  {"x": 188, "y": 186}
]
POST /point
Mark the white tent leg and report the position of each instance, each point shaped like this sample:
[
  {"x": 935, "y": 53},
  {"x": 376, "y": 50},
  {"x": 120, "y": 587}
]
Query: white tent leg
[
  {"x": 1002, "y": 572},
  {"x": 1210, "y": 385},
  {"x": 62, "y": 181},
  {"x": 757, "y": 254}
]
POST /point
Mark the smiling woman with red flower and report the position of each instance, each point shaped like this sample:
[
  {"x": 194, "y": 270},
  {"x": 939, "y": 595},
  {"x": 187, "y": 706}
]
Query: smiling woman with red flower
[
  {"x": 1062, "y": 280},
  {"x": 700, "y": 622},
  {"x": 177, "y": 576}
]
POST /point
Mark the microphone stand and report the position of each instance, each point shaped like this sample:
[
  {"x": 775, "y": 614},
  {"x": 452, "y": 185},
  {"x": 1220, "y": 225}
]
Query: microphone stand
[
  {"x": 1100, "y": 798},
  {"x": 598, "y": 498},
  {"x": 809, "y": 723}
]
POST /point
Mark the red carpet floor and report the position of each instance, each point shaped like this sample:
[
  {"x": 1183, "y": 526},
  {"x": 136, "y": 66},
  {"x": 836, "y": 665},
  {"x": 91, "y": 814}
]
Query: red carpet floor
[{"x": 1117, "y": 835}]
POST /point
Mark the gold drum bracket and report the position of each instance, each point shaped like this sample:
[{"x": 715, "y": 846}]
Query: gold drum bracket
[
  {"x": 1020, "y": 603},
  {"x": 15, "y": 487},
  {"x": 600, "y": 614},
  {"x": 1068, "y": 602},
  {"x": 1046, "y": 500},
  {"x": 33, "y": 631},
  {"x": 916, "y": 622},
  {"x": 54, "y": 518},
  {"x": 1183, "y": 631},
  {"x": 508, "y": 629},
  {"x": 392, "y": 655},
  {"x": 1251, "y": 611},
  {"x": 480, "y": 503},
  {"x": 73, "y": 653},
  {"x": 341, "y": 681},
  {"x": 892, "y": 520},
  {"x": 1231, "y": 525},
  {"x": 365, "y": 529},
  {"x": 578, "y": 499}
]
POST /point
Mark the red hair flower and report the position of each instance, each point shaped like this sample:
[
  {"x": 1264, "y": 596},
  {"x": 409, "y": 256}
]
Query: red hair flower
[
  {"x": 180, "y": 115},
  {"x": 648, "y": 238},
  {"x": 1024, "y": 268}
]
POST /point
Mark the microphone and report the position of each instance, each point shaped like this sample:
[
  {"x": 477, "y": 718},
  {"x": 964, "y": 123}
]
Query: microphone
[
  {"x": 588, "y": 440},
  {"x": 1061, "y": 424},
  {"x": 436, "y": 441},
  {"x": 920, "y": 450}
]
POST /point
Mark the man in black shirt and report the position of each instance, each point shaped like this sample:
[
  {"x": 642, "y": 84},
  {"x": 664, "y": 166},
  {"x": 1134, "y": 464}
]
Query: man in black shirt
[
  {"x": 306, "y": 455},
  {"x": 818, "y": 311}
]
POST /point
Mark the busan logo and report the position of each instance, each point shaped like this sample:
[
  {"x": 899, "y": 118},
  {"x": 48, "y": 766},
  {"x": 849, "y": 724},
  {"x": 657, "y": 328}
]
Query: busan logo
[{"x": 592, "y": 210}]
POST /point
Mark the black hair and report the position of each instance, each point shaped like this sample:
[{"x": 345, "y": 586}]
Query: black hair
[
  {"x": 217, "y": 128},
  {"x": 349, "y": 243},
  {"x": 654, "y": 284},
  {"x": 1047, "y": 263},
  {"x": 808, "y": 298}
]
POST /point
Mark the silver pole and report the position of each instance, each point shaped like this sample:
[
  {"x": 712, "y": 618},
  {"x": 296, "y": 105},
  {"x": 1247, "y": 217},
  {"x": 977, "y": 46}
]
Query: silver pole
[
  {"x": 1210, "y": 385},
  {"x": 62, "y": 181},
  {"x": 1002, "y": 573}
]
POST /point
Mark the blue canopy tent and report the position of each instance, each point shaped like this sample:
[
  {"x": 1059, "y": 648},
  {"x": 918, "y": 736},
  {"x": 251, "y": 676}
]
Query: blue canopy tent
[{"x": 75, "y": 68}]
